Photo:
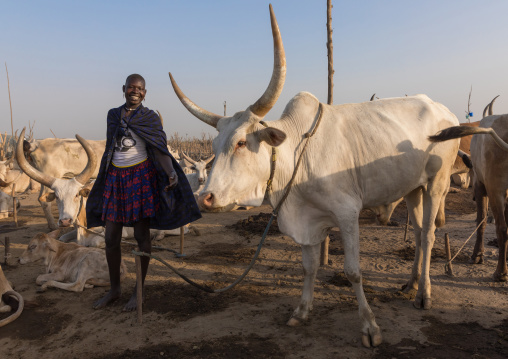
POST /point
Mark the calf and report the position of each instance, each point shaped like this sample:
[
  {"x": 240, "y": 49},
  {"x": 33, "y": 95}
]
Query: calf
[{"x": 69, "y": 266}]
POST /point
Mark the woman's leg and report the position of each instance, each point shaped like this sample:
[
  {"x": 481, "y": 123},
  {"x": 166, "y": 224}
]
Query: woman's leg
[
  {"x": 114, "y": 258},
  {"x": 142, "y": 235}
]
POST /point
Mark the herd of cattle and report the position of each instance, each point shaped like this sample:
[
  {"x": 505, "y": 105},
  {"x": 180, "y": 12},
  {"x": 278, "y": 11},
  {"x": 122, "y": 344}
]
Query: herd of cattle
[{"x": 377, "y": 153}]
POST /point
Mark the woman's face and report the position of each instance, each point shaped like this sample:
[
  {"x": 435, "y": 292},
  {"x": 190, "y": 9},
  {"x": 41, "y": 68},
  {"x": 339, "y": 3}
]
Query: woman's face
[{"x": 135, "y": 92}]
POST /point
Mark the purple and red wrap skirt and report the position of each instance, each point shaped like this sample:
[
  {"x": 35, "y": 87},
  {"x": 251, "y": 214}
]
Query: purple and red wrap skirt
[{"x": 130, "y": 193}]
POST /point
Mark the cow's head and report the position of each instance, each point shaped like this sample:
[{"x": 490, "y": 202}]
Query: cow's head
[
  {"x": 40, "y": 247},
  {"x": 242, "y": 147},
  {"x": 67, "y": 192},
  {"x": 199, "y": 167}
]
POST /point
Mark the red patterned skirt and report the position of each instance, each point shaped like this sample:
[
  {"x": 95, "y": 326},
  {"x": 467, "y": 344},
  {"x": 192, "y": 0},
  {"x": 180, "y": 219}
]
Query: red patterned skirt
[{"x": 130, "y": 193}]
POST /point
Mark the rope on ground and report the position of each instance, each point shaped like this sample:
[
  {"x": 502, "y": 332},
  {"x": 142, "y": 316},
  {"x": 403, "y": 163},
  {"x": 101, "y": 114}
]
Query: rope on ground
[
  {"x": 207, "y": 288},
  {"x": 463, "y": 244}
]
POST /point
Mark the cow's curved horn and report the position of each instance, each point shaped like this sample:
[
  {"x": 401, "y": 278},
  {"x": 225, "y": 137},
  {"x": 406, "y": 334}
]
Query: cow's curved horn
[
  {"x": 160, "y": 116},
  {"x": 491, "y": 105},
  {"x": 204, "y": 115},
  {"x": 373, "y": 97},
  {"x": 188, "y": 158},
  {"x": 209, "y": 159},
  {"x": 84, "y": 176},
  {"x": 21, "y": 304},
  {"x": 269, "y": 98},
  {"x": 31, "y": 172}
]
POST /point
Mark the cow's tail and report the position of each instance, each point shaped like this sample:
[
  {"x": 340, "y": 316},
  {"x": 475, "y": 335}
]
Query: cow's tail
[
  {"x": 462, "y": 131},
  {"x": 21, "y": 304}
]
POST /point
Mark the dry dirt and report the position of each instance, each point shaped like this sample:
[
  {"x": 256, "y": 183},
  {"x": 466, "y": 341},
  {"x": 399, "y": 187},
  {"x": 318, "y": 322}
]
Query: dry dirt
[{"x": 469, "y": 318}]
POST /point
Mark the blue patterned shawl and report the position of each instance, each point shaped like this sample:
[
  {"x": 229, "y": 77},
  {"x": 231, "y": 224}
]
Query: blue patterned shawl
[{"x": 177, "y": 207}]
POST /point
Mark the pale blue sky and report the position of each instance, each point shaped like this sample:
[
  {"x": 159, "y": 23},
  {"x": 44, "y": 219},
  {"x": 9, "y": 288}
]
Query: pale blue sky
[{"x": 68, "y": 60}]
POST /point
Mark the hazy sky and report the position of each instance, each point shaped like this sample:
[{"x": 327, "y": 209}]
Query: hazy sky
[{"x": 68, "y": 60}]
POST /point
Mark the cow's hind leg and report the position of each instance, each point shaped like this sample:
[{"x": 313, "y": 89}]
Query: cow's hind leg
[
  {"x": 371, "y": 334},
  {"x": 482, "y": 205},
  {"x": 77, "y": 286},
  {"x": 415, "y": 210},
  {"x": 432, "y": 198},
  {"x": 498, "y": 203},
  {"x": 310, "y": 261}
]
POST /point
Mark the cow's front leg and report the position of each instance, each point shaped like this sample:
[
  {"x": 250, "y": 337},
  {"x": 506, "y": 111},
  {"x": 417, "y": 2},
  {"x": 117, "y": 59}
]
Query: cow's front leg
[
  {"x": 43, "y": 278},
  {"x": 310, "y": 261}
]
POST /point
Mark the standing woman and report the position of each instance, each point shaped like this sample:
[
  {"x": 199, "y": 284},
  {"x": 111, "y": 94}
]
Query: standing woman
[{"x": 139, "y": 185}]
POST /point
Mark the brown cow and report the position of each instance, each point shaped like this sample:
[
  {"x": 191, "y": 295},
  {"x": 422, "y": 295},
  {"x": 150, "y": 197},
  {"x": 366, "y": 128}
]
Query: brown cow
[
  {"x": 490, "y": 165},
  {"x": 69, "y": 266}
]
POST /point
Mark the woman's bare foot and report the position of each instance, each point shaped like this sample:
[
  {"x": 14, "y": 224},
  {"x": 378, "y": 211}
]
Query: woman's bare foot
[
  {"x": 132, "y": 304},
  {"x": 107, "y": 299}
]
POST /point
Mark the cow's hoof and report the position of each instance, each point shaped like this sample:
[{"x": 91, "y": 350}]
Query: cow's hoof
[
  {"x": 476, "y": 260},
  {"x": 425, "y": 303},
  {"x": 294, "y": 322},
  {"x": 500, "y": 277},
  {"x": 372, "y": 340}
]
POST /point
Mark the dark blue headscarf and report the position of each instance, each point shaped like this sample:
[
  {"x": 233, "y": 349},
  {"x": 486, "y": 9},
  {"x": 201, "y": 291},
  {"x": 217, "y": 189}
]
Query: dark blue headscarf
[{"x": 177, "y": 207}]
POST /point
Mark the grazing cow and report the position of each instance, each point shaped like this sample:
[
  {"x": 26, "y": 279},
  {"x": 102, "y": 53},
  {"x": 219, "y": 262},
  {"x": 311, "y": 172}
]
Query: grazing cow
[
  {"x": 69, "y": 266},
  {"x": 7, "y": 294},
  {"x": 55, "y": 161},
  {"x": 490, "y": 165},
  {"x": 376, "y": 152}
]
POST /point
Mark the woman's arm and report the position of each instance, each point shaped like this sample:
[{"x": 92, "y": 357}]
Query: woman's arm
[{"x": 167, "y": 165}]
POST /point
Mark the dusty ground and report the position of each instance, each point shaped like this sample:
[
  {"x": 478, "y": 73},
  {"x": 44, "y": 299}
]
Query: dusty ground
[{"x": 469, "y": 318}]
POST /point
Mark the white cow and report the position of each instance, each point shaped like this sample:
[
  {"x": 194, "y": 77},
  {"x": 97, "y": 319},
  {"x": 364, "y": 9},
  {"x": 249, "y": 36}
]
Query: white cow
[
  {"x": 55, "y": 161},
  {"x": 377, "y": 152}
]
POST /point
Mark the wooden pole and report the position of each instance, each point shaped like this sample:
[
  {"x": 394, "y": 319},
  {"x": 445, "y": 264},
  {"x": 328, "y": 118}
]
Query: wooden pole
[
  {"x": 14, "y": 209},
  {"x": 7, "y": 250},
  {"x": 139, "y": 290},
  {"x": 407, "y": 225},
  {"x": 448, "y": 267},
  {"x": 324, "y": 251},
  {"x": 181, "y": 239},
  {"x": 329, "y": 45}
]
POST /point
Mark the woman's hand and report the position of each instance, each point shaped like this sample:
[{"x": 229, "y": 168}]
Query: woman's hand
[{"x": 173, "y": 181}]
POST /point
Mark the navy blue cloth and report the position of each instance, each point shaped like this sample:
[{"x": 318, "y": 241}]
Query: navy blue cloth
[{"x": 178, "y": 206}]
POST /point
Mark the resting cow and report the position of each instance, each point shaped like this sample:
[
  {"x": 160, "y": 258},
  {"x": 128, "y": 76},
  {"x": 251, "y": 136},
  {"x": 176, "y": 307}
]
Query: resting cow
[
  {"x": 69, "y": 266},
  {"x": 490, "y": 165},
  {"x": 376, "y": 152}
]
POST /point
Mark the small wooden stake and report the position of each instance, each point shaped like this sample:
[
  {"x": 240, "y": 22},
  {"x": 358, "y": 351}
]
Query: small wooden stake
[
  {"x": 324, "y": 251},
  {"x": 407, "y": 226},
  {"x": 139, "y": 290},
  {"x": 7, "y": 250},
  {"x": 448, "y": 266},
  {"x": 14, "y": 207},
  {"x": 182, "y": 229}
]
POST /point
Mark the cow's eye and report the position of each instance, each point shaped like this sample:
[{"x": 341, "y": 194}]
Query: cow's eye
[
  {"x": 32, "y": 247},
  {"x": 241, "y": 143}
]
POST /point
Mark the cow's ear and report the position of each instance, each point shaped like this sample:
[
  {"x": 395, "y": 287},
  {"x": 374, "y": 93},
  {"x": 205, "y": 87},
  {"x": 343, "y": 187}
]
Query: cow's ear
[
  {"x": 48, "y": 197},
  {"x": 272, "y": 136},
  {"x": 54, "y": 234},
  {"x": 84, "y": 192}
]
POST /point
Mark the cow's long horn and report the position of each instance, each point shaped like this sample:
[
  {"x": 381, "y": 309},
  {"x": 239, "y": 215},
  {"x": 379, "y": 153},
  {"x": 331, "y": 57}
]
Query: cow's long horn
[
  {"x": 31, "y": 172},
  {"x": 269, "y": 98},
  {"x": 204, "y": 115},
  {"x": 209, "y": 159},
  {"x": 373, "y": 97},
  {"x": 21, "y": 304},
  {"x": 188, "y": 158},
  {"x": 491, "y": 105},
  {"x": 84, "y": 176}
]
